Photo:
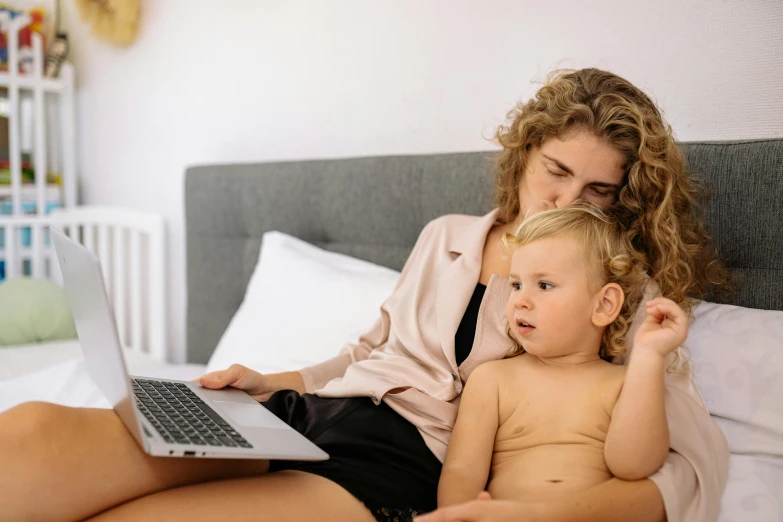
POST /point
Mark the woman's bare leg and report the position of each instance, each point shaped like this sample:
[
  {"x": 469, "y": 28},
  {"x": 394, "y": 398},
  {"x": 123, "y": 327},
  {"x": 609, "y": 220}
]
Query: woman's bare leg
[
  {"x": 63, "y": 463},
  {"x": 279, "y": 497}
]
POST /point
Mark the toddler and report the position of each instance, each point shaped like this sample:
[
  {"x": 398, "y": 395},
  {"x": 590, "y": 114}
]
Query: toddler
[{"x": 556, "y": 416}]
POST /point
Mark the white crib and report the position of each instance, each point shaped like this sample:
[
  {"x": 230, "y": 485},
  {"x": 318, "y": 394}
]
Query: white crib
[
  {"x": 129, "y": 244},
  {"x": 131, "y": 248}
]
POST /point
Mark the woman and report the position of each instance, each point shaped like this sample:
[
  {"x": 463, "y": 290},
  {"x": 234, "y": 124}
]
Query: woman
[{"x": 384, "y": 408}]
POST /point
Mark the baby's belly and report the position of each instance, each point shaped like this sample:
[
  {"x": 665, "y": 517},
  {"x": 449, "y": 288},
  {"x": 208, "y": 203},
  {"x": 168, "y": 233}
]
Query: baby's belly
[{"x": 546, "y": 471}]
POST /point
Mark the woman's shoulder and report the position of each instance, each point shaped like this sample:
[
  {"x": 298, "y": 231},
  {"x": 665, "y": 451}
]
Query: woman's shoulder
[
  {"x": 451, "y": 222},
  {"x": 449, "y": 227}
]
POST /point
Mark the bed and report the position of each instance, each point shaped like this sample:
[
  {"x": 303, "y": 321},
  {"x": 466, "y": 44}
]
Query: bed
[{"x": 374, "y": 208}]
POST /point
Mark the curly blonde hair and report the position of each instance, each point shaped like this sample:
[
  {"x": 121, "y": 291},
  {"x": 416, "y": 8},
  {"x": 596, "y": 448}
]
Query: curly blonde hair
[
  {"x": 658, "y": 206},
  {"x": 608, "y": 255}
]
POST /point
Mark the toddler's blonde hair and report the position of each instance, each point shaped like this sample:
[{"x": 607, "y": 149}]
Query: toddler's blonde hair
[{"x": 609, "y": 257}]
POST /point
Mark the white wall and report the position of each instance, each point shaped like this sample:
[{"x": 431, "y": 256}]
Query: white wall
[{"x": 233, "y": 81}]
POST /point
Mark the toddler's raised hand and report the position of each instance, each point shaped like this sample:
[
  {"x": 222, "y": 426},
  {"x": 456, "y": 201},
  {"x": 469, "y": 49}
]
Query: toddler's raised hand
[{"x": 664, "y": 329}]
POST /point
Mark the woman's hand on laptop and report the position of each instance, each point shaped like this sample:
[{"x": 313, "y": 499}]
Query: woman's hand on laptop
[{"x": 257, "y": 385}]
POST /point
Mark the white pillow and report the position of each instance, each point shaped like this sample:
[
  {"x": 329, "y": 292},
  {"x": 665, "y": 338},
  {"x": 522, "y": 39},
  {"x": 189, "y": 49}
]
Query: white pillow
[
  {"x": 302, "y": 305},
  {"x": 737, "y": 358}
]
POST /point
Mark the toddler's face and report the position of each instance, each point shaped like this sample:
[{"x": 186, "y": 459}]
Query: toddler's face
[{"x": 552, "y": 297}]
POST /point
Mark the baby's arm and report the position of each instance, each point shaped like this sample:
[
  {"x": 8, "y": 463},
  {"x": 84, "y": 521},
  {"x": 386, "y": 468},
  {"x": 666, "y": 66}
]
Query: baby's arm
[
  {"x": 638, "y": 438},
  {"x": 469, "y": 456}
]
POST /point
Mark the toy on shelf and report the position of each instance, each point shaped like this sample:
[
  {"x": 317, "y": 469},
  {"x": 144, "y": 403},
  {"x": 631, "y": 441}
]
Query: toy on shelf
[
  {"x": 37, "y": 149},
  {"x": 25, "y": 56},
  {"x": 58, "y": 50}
]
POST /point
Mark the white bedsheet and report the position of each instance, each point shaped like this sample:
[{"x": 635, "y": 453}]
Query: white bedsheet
[
  {"x": 55, "y": 372},
  {"x": 16, "y": 361}
]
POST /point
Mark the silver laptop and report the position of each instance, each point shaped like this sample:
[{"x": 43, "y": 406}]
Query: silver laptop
[{"x": 167, "y": 418}]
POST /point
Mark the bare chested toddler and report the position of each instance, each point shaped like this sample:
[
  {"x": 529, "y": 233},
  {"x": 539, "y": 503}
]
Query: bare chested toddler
[{"x": 556, "y": 416}]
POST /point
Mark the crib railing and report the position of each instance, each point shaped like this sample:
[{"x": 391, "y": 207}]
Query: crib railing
[
  {"x": 25, "y": 247},
  {"x": 131, "y": 248}
]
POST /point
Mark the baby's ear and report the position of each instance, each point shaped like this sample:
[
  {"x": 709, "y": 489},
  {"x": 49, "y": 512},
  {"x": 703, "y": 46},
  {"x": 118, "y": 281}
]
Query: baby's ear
[{"x": 609, "y": 302}]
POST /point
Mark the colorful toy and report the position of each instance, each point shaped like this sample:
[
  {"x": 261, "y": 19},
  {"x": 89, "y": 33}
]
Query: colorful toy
[{"x": 37, "y": 16}]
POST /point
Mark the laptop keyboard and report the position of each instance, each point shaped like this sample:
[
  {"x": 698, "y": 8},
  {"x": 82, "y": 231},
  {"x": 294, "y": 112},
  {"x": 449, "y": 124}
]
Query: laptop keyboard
[{"x": 181, "y": 417}]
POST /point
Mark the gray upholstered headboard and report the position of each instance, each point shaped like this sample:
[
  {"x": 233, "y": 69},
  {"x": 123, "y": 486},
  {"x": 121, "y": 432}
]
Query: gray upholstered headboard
[{"x": 374, "y": 209}]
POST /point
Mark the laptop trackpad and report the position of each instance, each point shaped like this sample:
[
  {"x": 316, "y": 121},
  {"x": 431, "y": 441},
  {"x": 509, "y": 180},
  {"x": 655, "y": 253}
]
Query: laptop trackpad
[{"x": 250, "y": 415}]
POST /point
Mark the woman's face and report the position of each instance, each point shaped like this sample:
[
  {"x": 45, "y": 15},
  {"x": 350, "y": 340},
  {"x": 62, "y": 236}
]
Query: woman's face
[{"x": 578, "y": 166}]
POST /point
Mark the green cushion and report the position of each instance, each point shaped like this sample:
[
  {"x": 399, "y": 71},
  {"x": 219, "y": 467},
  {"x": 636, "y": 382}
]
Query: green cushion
[{"x": 32, "y": 311}]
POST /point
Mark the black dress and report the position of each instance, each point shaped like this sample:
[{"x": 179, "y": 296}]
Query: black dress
[{"x": 374, "y": 453}]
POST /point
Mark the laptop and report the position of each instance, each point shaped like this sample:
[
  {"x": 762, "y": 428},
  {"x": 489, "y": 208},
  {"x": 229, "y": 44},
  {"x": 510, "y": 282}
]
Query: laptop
[{"x": 167, "y": 418}]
